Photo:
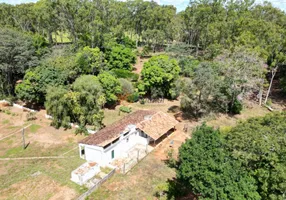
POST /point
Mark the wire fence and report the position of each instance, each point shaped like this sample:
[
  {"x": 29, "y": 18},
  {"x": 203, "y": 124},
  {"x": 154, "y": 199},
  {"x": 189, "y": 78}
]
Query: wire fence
[{"x": 96, "y": 186}]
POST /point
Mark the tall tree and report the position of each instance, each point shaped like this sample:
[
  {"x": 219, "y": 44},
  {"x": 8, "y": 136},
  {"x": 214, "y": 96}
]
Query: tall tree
[{"x": 17, "y": 54}]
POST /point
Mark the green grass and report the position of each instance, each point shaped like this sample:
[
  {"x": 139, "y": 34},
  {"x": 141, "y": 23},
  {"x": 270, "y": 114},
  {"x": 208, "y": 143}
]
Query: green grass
[
  {"x": 5, "y": 121},
  {"x": 57, "y": 169},
  {"x": 34, "y": 128}
]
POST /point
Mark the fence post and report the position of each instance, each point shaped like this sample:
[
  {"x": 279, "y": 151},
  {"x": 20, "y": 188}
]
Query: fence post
[
  {"x": 23, "y": 135},
  {"x": 138, "y": 155}
]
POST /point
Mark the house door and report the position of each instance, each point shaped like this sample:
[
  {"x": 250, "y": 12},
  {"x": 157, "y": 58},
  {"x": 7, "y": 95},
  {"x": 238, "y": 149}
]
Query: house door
[{"x": 112, "y": 154}]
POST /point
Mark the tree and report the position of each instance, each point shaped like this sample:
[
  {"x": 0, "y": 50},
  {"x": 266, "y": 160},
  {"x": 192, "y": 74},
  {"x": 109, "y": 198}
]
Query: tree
[
  {"x": 81, "y": 105},
  {"x": 111, "y": 87},
  {"x": 207, "y": 170},
  {"x": 37, "y": 80},
  {"x": 200, "y": 92},
  {"x": 259, "y": 143},
  {"x": 121, "y": 57},
  {"x": 160, "y": 72},
  {"x": 17, "y": 54},
  {"x": 243, "y": 72},
  {"x": 90, "y": 61}
]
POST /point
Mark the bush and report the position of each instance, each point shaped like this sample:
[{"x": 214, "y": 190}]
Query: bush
[
  {"x": 123, "y": 73},
  {"x": 31, "y": 116},
  {"x": 125, "y": 109},
  {"x": 121, "y": 57},
  {"x": 236, "y": 108},
  {"x": 126, "y": 87},
  {"x": 133, "y": 97}
]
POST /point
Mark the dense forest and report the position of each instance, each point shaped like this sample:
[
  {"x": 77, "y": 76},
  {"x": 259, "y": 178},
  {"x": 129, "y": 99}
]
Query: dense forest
[{"x": 75, "y": 57}]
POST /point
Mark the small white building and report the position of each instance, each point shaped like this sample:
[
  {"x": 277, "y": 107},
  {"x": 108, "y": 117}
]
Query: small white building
[
  {"x": 85, "y": 172},
  {"x": 142, "y": 127}
]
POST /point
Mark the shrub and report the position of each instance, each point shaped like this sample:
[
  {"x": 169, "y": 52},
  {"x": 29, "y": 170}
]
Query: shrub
[
  {"x": 121, "y": 57},
  {"x": 126, "y": 87},
  {"x": 133, "y": 97},
  {"x": 31, "y": 116},
  {"x": 125, "y": 109},
  {"x": 236, "y": 107}
]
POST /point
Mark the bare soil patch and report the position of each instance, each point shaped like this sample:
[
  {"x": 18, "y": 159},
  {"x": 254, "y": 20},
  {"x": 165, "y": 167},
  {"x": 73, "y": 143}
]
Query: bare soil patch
[{"x": 139, "y": 64}]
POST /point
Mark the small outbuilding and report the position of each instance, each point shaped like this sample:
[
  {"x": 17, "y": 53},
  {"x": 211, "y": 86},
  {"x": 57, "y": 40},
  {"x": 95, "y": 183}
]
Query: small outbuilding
[{"x": 143, "y": 127}]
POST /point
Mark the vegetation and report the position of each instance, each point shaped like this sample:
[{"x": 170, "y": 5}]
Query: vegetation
[
  {"x": 159, "y": 75},
  {"x": 75, "y": 57},
  {"x": 240, "y": 164},
  {"x": 82, "y": 104}
]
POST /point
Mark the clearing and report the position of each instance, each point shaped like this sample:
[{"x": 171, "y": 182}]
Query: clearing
[{"x": 37, "y": 178}]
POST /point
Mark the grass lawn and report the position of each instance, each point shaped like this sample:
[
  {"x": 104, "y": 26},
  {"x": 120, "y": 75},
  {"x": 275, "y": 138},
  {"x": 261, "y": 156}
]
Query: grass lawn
[{"x": 55, "y": 173}]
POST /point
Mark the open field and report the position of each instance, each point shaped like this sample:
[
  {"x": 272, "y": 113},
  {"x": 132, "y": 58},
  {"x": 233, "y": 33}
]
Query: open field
[{"x": 36, "y": 178}]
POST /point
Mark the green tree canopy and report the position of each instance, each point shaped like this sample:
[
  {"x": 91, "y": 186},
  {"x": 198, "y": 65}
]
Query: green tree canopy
[
  {"x": 90, "y": 61},
  {"x": 120, "y": 57},
  {"x": 207, "y": 170},
  {"x": 17, "y": 54},
  {"x": 37, "y": 80},
  {"x": 111, "y": 87},
  {"x": 81, "y": 105},
  {"x": 259, "y": 143},
  {"x": 160, "y": 72}
]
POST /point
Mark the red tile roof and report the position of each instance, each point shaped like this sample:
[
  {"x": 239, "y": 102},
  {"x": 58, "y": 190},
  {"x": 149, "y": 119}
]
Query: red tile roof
[{"x": 157, "y": 125}]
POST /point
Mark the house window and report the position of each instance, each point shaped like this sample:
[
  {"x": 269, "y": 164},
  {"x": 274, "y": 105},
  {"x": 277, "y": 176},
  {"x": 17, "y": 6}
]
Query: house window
[
  {"x": 112, "y": 154},
  {"x": 82, "y": 151}
]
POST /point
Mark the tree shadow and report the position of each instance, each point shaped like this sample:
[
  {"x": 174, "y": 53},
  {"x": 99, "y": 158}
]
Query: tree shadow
[{"x": 178, "y": 191}]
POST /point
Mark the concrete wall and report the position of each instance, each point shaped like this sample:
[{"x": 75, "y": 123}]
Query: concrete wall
[{"x": 81, "y": 178}]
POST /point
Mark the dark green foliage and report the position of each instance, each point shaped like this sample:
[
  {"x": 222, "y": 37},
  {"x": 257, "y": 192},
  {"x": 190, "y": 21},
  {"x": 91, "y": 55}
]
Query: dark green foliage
[
  {"x": 37, "y": 80},
  {"x": 90, "y": 61},
  {"x": 126, "y": 74},
  {"x": 17, "y": 54},
  {"x": 160, "y": 74},
  {"x": 133, "y": 97},
  {"x": 236, "y": 108},
  {"x": 120, "y": 57},
  {"x": 127, "y": 42},
  {"x": 207, "y": 170},
  {"x": 125, "y": 109},
  {"x": 111, "y": 87},
  {"x": 259, "y": 143}
]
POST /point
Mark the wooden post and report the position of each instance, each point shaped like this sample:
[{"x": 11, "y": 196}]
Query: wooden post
[
  {"x": 138, "y": 155},
  {"x": 23, "y": 135}
]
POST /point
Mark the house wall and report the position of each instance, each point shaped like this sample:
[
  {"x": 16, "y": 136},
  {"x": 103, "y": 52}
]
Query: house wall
[{"x": 120, "y": 148}]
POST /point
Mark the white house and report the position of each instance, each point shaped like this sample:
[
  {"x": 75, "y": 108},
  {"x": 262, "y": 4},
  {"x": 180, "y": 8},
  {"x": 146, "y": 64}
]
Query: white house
[{"x": 142, "y": 127}]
